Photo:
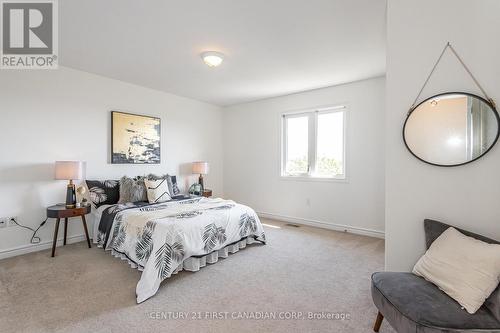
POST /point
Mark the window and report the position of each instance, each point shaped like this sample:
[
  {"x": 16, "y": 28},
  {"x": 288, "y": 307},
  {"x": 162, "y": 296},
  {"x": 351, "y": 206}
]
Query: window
[{"x": 313, "y": 143}]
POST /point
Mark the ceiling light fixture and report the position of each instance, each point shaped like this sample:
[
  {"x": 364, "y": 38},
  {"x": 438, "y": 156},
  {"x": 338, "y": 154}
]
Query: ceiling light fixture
[{"x": 212, "y": 58}]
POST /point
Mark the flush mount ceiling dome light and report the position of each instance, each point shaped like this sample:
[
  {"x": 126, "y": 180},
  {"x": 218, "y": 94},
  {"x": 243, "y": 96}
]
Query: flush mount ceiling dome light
[{"x": 212, "y": 58}]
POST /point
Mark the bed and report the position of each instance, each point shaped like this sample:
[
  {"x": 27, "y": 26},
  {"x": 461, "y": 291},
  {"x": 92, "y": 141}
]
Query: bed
[{"x": 164, "y": 238}]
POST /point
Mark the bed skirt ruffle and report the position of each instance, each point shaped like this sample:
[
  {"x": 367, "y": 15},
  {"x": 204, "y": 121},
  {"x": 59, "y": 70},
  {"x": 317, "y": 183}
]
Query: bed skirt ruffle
[{"x": 193, "y": 264}]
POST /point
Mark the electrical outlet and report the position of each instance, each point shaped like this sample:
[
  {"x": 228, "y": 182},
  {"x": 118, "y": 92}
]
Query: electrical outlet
[{"x": 3, "y": 222}]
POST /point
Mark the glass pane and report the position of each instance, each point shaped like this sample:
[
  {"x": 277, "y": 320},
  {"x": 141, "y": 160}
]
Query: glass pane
[
  {"x": 297, "y": 145},
  {"x": 330, "y": 154}
]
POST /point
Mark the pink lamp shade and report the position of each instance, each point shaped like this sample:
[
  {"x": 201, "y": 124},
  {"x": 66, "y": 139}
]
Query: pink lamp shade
[
  {"x": 200, "y": 168},
  {"x": 68, "y": 170}
]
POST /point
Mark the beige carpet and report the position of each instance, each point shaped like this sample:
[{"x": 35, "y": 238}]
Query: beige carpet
[{"x": 301, "y": 270}]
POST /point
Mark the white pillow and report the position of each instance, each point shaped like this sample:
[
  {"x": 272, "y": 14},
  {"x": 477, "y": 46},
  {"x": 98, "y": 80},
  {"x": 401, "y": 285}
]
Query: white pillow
[
  {"x": 157, "y": 190},
  {"x": 466, "y": 269}
]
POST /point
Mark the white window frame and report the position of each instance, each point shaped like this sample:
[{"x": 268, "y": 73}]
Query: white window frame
[{"x": 312, "y": 141}]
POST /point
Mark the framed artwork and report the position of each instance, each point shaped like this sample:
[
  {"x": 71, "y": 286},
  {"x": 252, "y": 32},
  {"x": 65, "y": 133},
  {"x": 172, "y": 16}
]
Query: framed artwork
[{"x": 135, "y": 139}]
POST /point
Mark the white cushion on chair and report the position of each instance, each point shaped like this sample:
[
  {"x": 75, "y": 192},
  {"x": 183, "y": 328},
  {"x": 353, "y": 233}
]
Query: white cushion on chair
[{"x": 466, "y": 269}]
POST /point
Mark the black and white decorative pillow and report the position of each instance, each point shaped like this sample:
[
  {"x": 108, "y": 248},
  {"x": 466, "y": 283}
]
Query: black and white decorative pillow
[
  {"x": 106, "y": 192},
  {"x": 157, "y": 190},
  {"x": 172, "y": 185},
  {"x": 173, "y": 189}
]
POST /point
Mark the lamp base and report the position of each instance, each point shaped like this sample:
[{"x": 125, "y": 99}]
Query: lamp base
[
  {"x": 200, "y": 181},
  {"x": 70, "y": 195}
]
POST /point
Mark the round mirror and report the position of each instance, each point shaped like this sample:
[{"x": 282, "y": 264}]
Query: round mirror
[{"x": 451, "y": 129}]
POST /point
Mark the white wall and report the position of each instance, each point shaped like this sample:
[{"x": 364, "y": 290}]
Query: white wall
[
  {"x": 252, "y": 157},
  {"x": 64, "y": 114},
  {"x": 467, "y": 196}
]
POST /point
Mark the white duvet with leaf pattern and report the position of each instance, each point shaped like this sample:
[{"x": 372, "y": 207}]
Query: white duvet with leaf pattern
[{"x": 159, "y": 237}]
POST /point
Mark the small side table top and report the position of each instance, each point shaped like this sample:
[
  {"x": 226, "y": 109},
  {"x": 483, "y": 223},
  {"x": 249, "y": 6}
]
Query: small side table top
[
  {"x": 207, "y": 193},
  {"x": 61, "y": 212}
]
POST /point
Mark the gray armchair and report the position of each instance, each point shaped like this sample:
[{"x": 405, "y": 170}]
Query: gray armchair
[{"x": 411, "y": 304}]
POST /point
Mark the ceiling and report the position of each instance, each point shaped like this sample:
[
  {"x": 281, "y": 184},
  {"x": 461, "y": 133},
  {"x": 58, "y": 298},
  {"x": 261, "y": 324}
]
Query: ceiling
[{"x": 272, "y": 47}]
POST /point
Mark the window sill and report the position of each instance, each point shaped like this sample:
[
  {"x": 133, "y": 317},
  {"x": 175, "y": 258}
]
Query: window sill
[{"x": 315, "y": 179}]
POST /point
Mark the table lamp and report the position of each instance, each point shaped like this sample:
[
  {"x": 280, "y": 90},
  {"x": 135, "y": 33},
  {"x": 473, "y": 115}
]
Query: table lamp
[
  {"x": 69, "y": 170},
  {"x": 200, "y": 168}
]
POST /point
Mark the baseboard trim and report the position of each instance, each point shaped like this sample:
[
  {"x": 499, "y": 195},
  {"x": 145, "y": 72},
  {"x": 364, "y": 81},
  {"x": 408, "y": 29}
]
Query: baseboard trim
[
  {"x": 28, "y": 248},
  {"x": 324, "y": 225}
]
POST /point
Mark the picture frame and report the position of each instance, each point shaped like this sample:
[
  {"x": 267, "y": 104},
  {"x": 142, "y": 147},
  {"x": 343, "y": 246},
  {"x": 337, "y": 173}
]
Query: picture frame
[{"x": 135, "y": 138}]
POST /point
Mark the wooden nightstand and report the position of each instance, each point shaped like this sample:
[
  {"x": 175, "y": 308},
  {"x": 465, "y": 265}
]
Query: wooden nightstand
[
  {"x": 207, "y": 193},
  {"x": 60, "y": 211}
]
